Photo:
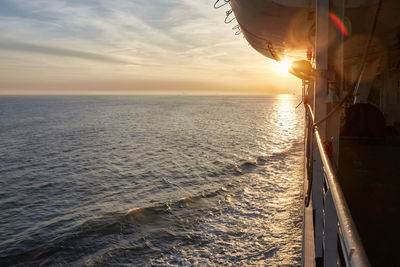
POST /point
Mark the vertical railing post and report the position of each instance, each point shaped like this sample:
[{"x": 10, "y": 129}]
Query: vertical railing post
[
  {"x": 336, "y": 82},
  {"x": 331, "y": 232},
  {"x": 352, "y": 242},
  {"x": 317, "y": 202},
  {"x": 320, "y": 99}
]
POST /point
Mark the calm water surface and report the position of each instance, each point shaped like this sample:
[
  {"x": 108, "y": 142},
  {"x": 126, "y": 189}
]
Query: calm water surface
[{"x": 150, "y": 180}]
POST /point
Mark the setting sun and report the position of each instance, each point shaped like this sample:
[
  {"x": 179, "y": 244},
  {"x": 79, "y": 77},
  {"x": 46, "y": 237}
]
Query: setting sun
[{"x": 283, "y": 66}]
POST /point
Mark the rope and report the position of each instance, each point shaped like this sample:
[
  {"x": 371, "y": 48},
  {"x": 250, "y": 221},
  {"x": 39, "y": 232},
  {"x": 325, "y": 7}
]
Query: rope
[
  {"x": 221, "y": 5},
  {"x": 301, "y": 101},
  {"x": 272, "y": 51},
  {"x": 228, "y": 13},
  {"x": 237, "y": 29},
  {"x": 269, "y": 48}
]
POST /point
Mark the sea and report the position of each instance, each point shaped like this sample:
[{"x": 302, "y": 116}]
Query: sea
[{"x": 151, "y": 180}]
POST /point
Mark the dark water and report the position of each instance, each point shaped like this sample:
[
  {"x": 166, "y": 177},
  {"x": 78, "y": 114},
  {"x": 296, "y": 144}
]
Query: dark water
[{"x": 150, "y": 180}]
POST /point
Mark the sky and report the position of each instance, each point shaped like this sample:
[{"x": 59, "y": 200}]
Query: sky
[{"x": 129, "y": 47}]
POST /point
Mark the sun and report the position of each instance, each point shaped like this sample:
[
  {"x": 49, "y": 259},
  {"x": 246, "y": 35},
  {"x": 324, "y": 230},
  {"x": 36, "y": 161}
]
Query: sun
[{"x": 283, "y": 66}]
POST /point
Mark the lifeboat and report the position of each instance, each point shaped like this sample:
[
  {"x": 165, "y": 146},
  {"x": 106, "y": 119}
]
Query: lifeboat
[{"x": 286, "y": 28}]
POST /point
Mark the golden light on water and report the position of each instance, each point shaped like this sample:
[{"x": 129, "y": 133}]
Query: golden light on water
[
  {"x": 283, "y": 66},
  {"x": 284, "y": 121},
  {"x": 285, "y": 116}
]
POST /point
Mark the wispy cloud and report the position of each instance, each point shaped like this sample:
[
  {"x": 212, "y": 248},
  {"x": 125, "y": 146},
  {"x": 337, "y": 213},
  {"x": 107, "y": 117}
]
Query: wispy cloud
[
  {"x": 63, "y": 52},
  {"x": 121, "y": 39}
]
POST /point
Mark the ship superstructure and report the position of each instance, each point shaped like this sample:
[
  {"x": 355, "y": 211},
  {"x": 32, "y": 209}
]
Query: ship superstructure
[{"x": 347, "y": 53}]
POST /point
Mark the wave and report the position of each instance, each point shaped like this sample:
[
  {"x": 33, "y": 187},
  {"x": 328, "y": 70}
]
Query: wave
[
  {"x": 250, "y": 164},
  {"x": 137, "y": 225},
  {"x": 143, "y": 228}
]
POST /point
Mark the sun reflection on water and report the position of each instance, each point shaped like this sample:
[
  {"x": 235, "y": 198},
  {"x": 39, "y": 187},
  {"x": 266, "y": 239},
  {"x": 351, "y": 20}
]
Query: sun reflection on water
[{"x": 282, "y": 125}]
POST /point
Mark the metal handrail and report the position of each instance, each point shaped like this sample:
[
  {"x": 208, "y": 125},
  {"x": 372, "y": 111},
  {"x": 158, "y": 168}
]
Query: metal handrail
[{"x": 352, "y": 240}]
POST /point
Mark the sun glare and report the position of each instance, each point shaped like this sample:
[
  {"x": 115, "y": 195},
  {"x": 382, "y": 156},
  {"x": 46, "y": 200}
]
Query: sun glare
[{"x": 283, "y": 66}]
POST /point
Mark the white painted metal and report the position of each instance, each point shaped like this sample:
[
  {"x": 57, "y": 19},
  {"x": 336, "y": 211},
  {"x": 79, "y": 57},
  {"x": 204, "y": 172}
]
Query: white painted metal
[
  {"x": 350, "y": 242},
  {"x": 321, "y": 60},
  {"x": 262, "y": 27},
  {"x": 308, "y": 256},
  {"x": 330, "y": 207},
  {"x": 330, "y": 232},
  {"x": 285, "y": 25},
  {"x": 320, "y": 99},
  {"x": 317, "y": 203},
  {"x": 355, "y": 249}
]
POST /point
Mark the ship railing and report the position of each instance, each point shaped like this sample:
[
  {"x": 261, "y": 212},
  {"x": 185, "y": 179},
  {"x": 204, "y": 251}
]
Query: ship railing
[{"x": 335, "y": 233}]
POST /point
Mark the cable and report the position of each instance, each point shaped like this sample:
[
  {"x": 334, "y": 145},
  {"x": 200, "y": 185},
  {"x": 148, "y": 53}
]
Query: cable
[
  {"x": 299, "y": 104},
  {"x": 378, "y": 9},
  {"x": 360, "y": 74}
]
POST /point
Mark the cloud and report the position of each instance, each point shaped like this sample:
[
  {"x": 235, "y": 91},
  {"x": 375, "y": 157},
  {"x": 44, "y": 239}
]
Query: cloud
[
  {"x": 56, "y": 51},
  {"x": 152, "y": 39}
]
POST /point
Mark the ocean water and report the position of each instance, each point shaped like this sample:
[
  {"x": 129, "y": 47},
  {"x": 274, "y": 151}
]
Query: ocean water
[{"x": 150, "y": 180}]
